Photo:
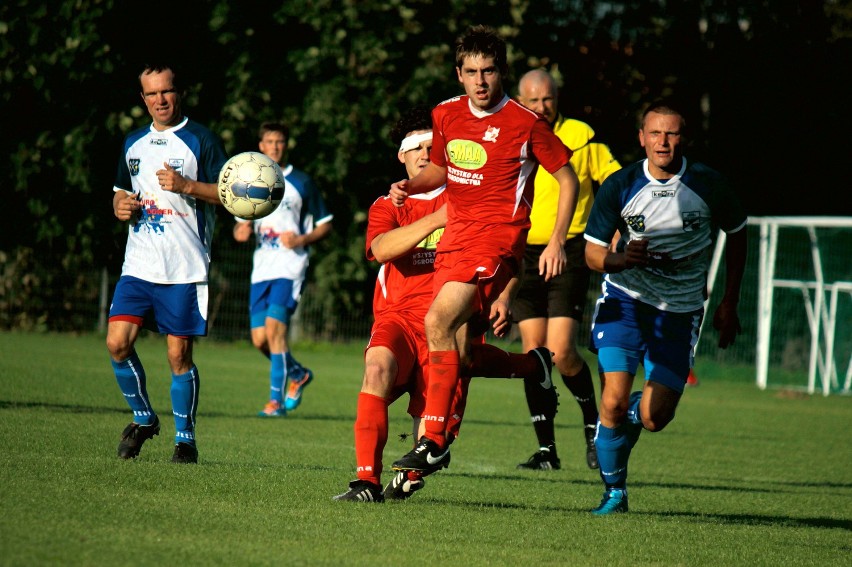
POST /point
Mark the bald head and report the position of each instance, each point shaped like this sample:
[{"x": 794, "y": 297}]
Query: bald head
[{"x": 537, "y": 91}]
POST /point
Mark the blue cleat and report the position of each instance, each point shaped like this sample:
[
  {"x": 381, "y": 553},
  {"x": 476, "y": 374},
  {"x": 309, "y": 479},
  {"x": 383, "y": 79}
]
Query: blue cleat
[
  {"x": 614, "y": 502},
  {"x": 294, "y": 392}
]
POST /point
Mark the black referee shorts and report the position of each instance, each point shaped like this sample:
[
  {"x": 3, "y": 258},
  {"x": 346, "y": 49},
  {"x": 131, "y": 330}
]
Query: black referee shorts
[{"x": 562, "y": 296}]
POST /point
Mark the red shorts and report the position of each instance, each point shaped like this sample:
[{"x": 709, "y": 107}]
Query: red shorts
[
  {"x": 407, "y": 341},
  {"x": 482, "y": 266}
]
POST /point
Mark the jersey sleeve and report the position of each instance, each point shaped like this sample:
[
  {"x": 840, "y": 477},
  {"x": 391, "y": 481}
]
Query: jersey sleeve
[
  {"x": 381, "y": 219},
  {"x": 725, "y": 208},
  {"x": 316, "y": 205},
  {"x": 547, "y": 148},
  {"x": 122, "y": 174},
  {"x": 213, "y": 158},
  {"x": 605, "y": 217},
  {"x": 438, "y": 153}
]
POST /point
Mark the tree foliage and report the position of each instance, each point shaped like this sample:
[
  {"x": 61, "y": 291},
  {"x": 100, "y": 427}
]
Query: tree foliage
[{"x": 755, "y": 75}]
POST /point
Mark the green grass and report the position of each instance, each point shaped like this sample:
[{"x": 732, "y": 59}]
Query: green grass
[{"x": 741, "y": 477}]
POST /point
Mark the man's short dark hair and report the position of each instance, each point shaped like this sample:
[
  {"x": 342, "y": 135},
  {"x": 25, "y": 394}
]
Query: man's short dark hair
[
  {"x": 159, "y": 67},
  {"x": 417, "y": 118},
  {"x": 484, "y": 41},
  {"x": 666, "y": 106},
  {"x": 273, "y": 127}
]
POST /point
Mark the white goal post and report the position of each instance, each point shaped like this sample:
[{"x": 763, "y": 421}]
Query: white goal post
[{"x": 822, "y": 296}]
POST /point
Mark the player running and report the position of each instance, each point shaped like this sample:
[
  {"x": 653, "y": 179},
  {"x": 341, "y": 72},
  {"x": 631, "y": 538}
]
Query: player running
[
  {"x": 404, "y": 240},
  {"x": 486, "y": 148},
  {"x": 654, "y": 289}
]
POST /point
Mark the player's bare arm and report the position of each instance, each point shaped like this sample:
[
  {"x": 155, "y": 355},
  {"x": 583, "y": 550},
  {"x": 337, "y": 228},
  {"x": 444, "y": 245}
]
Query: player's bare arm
[
  {"x": 394, "y": 243},
  {"x": 170, "y": 180},
  {"x": 552, "y": 260},
  {"x": 725, "y": 319},
  {"x": 292, "y": 240},
  {"x": 605, "y": 260},
  {"x": 430, "y": 177},
  {"x": 125, "y": 205}
]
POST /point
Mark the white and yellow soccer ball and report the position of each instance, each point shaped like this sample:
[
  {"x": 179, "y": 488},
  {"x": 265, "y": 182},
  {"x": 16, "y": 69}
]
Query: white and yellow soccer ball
[{"x": 251, "y": 185}]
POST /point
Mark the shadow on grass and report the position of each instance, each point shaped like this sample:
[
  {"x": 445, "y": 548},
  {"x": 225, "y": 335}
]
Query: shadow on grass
[
  {"x": 734, "y": 519},
  {"x": 71, "y": 408}
]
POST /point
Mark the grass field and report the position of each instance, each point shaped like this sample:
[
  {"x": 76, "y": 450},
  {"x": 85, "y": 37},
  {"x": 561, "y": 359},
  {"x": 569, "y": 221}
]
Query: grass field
[{"x": 741, "y": 477}]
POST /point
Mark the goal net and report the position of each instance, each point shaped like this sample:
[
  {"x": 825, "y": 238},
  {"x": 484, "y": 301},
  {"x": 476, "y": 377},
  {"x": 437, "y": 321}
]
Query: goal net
[{"x": 796, "y": 303}]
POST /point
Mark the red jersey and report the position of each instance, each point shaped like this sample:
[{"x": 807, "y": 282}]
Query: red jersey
[
  {"x": 491, "y": 158},
  {"x": 404, "y": 285}
]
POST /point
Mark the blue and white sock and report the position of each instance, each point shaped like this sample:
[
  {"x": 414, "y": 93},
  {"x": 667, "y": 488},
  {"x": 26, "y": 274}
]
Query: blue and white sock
[
  {"x": 131, "y": 380},
  {"x": 613, "y": 447},
  {"x": 634, "y": 418},
  {"x": 277, "y": 375},
  {"x": 185, "y": 404}
]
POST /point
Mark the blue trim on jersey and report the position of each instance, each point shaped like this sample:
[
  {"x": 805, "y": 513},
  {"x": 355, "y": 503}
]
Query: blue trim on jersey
[{"x": 312, "y": 201}]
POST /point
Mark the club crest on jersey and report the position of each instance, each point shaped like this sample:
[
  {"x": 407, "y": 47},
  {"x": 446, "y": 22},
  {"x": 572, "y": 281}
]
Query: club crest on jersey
[
  {"x": 176, "y": 164},
  {"x": 491, "y": 134},
  {"x": 636, "y": 223},
  {"x": 466, "y": 154},
  {"x": 691, "y": 221},
  {"x": 133, "y": 165}
]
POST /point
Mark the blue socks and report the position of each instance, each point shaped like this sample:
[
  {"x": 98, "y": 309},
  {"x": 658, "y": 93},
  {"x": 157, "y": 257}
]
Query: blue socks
[
  {"x": 277, "y": 374},
  {"x": 614, "y": 445},
  {"x": 131, "y": 380},
  {"x": 185, "y": 404}
]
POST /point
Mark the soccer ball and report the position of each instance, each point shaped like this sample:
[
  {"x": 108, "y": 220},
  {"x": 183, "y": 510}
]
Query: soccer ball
[{"x": 251, "y": 185}]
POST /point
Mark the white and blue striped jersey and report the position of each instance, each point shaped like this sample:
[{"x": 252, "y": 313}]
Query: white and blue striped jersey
[
  {"x": 169, "y": 242},
  {"x": 679, "y": 216},
  {"x": 300, "y": 210}
]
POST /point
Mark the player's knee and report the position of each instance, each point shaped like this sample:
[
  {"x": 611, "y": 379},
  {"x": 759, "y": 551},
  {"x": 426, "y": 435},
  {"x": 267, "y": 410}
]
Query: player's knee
[
  {"x": 119, "y": 347},
  {"x": 378, "y": 379},
  {"x": 613, "y": 410},
  {"x": 568, "y": 361},
  {"x": 657, "y": 421}
]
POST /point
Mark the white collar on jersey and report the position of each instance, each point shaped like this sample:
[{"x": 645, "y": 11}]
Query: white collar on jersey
[
  {"x": 285, "y": 171},
  {"x": 494, "y": 109},
  {"x": 429, "y": 195},
  {"x": 673, "y": 179},
  {"x": 177, "y": 126}
]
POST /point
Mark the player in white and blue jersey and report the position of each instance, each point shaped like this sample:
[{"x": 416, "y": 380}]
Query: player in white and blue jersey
[
  {"x": 666, "y": 209},
  {"x": 279, "y": 266},
  {"x": 166, "y": 187}
]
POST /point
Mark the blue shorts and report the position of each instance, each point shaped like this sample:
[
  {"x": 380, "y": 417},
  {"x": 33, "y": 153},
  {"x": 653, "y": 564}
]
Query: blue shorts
[
  {"x": 276, "y": 299},
  {"x": 177, "y": 309},
  {"x": 626, "y": 331}
]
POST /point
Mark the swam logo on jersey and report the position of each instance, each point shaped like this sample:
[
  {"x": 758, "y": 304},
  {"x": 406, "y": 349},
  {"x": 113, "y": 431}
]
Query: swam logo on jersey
[
  {"x": 691, "y": 221},
  {"x": 133, "y": 165},
  {"x": 176, "y": 164}
]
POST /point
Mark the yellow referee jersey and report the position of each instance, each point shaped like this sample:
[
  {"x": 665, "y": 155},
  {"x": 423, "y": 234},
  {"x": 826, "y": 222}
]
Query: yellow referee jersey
[{"x": 592, "y": 161}]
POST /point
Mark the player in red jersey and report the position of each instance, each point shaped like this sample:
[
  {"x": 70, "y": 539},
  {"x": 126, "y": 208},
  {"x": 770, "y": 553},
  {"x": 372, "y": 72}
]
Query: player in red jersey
[
  {"x": 404, "y": 240},
  {"x": 486, "y": 148}
]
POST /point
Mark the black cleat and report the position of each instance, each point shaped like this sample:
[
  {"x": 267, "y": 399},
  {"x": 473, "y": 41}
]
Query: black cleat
[
  {"x": 544, "y": 459},
  {"x": 185, "y": 454},
  {"x": 361, "y": 491},
  {"x": 591, "y": 451},
  {"x": 402, "y": 486},
  {"x": 542, "y": 377},
  {"x": 426, "y": 457},
  {"x": 134, "y": 436}
]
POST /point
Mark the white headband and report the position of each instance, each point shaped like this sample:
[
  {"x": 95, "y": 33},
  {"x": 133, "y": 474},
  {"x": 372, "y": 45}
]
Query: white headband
[{"x": 413, "y": 142}]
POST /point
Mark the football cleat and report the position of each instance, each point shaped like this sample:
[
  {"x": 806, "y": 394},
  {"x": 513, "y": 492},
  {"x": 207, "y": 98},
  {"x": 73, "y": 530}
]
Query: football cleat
[
  {"x": 134, "y": 435},
  {"x": 426, "y": 457},
  {"x": 402, "y": 486},
  {"x": 294, "y": 391},
  {"x": 591, "y": 451},
  {"x": 185, "y": 454},
  {"x": 545, "y": 459},
  {"x": 614, "y": 502},
  {"x": 361, "y": 491},
  {"x": 272, "y": 408}
]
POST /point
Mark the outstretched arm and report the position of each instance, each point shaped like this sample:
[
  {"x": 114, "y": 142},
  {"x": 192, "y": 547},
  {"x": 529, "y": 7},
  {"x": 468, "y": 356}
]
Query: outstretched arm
[
  {"x": 171, "y": 180},
  {"x": 430, "y": 177}
]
